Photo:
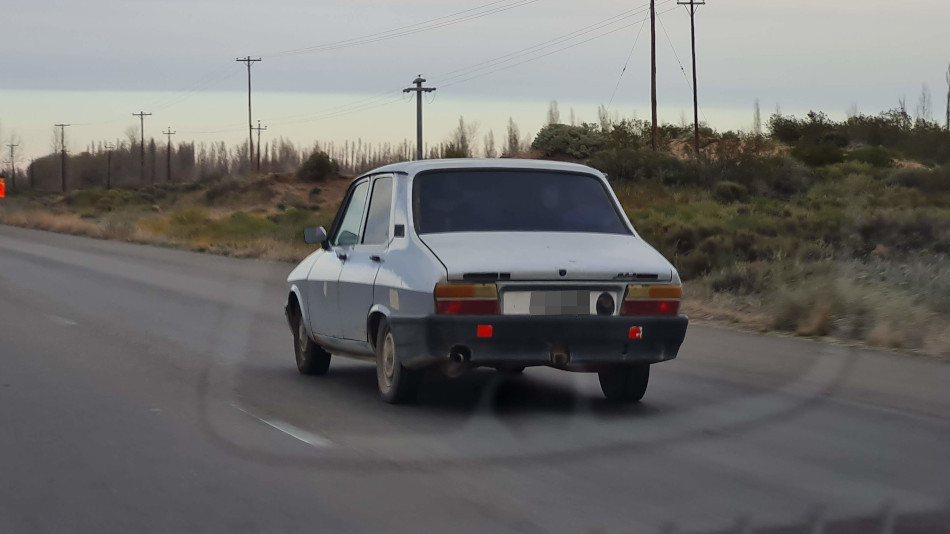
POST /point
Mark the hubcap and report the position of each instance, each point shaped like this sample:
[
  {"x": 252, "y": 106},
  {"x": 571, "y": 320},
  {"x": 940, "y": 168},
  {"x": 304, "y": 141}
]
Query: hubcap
[{"x": 389, "y": 358}]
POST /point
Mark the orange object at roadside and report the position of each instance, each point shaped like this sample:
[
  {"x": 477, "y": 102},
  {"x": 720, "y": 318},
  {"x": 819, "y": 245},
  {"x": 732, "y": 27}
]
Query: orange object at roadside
[{"x": 3, "y": 188}]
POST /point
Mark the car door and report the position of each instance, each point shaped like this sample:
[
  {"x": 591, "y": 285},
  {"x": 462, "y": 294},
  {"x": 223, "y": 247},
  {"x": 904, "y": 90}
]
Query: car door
[
  {"x": 322, "y": 287},
  {"x": 363, "y": 261}
]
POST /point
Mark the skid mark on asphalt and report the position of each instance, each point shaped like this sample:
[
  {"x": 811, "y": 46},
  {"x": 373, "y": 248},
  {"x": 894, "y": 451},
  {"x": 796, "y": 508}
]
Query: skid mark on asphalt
[{"x": 305, "y": 436}]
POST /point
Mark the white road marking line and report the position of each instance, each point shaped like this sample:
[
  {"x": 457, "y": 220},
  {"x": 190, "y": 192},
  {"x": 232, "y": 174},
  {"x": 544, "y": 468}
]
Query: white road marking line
[
  {"x": 305, "y": 436},
  {"x": 62, "y": 321}
]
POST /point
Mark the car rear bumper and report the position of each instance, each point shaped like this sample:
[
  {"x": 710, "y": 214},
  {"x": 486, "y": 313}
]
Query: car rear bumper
[{"x": 568, "y": 342}]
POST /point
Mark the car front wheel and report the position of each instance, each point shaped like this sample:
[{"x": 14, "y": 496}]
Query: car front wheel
[
  {"x": 397, "y": 384},
  {"x": 312, "y": 359},
  {"x": 625, "y": 383}
]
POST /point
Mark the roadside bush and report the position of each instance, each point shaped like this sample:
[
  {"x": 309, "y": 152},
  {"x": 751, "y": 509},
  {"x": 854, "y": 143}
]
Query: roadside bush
[
  {"x": 577, "y": 142},
  {"x": 693, "y": 265},
  {"x": 729, "y": 192},
  {"x": 872, "y": 155},
  {"x": 641, "y": 165},
  {"x": 318, "y": 167},
  {"x": 924, "y": 180},
  {"x": 818, "y": 153},
  {"x": 770, "y": 176}
]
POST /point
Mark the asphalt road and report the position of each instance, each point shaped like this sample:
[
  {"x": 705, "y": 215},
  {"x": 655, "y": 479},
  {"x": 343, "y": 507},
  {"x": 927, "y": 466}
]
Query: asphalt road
[{"x": 153, "y": 390}]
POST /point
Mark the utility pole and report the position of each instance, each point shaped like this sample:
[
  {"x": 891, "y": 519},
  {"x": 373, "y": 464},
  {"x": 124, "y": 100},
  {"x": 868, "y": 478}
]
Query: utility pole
[
  {"x": 62, "y": 153},
  {"x": 653, "y": 67},
  {"x": 12, "y": 167},
  {"x": 692, "y": 6},
  {"x": 168, "y": 155},
  {"x": 250, "y": 124},
  {"x": 141, "y": 115},
  {"x": 109, "y": 148},
  {"x": 419, "y": 89},
  {"x": 259, "y": 128},
  {"x": 29, "y": 171}
]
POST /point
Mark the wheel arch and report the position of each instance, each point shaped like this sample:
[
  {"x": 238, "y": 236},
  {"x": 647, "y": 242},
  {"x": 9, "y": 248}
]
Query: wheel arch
[
  {"x": 295, "y": 299},
  {"x": 376, "y": 315}
]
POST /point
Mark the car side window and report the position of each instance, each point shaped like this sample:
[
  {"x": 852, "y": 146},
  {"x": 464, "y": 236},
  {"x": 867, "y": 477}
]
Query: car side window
[
  {"x": 349, "y": 231},
  {"x": 380, "y": 207}
]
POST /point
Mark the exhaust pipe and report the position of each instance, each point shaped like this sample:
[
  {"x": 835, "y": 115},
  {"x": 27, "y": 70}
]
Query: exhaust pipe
[
  {"x": 456, "y": 363},
  {"x": 457, "y": 357},
  {"x": 560, "y": 356}
]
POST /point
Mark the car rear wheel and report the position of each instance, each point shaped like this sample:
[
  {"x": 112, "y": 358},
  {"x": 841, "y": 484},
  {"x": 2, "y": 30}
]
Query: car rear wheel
[
  {"x": 626, "y": 383},
  {"x": 397, "y": 384},
  {"x": 312, "y": 359}
]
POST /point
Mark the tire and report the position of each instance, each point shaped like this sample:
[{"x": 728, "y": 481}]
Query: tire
[
  {"x": 311, "y": 358},
  {"x": 397, "y": 384},
  {"x": 626, "y": 383}
]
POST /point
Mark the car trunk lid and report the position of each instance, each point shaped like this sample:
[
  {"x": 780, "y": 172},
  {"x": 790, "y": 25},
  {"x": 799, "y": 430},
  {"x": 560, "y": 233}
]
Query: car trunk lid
[{"x": 543, "y": 256}]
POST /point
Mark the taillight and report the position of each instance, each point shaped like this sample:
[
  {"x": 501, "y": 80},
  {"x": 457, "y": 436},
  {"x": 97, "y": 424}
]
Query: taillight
[
  {"x": 652, "y": 300},
  {"x": 466, "y": 299}
]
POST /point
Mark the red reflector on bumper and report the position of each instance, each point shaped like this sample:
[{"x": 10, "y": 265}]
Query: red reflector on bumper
[
  {"x": 484, "y": 330},
  {"x": 636, "y": 332},
  {"x": 650, "y": 307}
]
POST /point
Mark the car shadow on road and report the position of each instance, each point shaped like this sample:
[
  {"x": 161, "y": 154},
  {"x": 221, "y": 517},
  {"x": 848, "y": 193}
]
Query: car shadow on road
[{"x": 478, "y": 390}]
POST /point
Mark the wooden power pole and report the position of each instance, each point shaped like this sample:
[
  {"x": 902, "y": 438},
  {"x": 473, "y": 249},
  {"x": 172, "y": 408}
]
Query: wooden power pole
[
  {"x": 653, "y": 69},
  {"x": 62, "y": 154},
  {"x": 109, "y": 148},
  {"x": 250, "y": 124},
  {"x": 12, "y": 167},
  {"x": 259, "y": 128},
  {"x": 141, "y": 115},
  {"x": 168, "y": 155},
  {"x": 419, "y": 89},
  {"x": 692, "y": 6}
]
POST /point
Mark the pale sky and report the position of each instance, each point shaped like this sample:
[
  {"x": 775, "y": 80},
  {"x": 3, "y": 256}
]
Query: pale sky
[{"x": 93, "y": 63}]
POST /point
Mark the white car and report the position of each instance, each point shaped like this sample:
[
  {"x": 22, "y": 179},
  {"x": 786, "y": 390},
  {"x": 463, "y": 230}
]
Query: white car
[{"x": 507, "y": 264}]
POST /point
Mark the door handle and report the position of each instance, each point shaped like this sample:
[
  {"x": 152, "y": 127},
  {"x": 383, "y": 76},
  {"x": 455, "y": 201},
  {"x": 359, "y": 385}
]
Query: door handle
[
  {"x": 341, "y": 255},
  {"x": 376, "y": 258}
]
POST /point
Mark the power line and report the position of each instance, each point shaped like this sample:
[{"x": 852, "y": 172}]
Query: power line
[
  {"x": 440, "y": 22},
  {"x": 625, "y": 63},
  {"x": 469, "y": 73},
  {"x": 682, "y": 68},
  {"x": 530, "y": 59},
  {"x": 544, "y": 45}
]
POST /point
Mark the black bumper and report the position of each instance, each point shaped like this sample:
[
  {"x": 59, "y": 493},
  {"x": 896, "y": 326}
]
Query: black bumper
[{"x": 588, "y": 342}]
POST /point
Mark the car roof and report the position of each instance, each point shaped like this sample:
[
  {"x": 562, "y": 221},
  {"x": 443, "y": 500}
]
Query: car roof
[{"x": 415, "y": 167}]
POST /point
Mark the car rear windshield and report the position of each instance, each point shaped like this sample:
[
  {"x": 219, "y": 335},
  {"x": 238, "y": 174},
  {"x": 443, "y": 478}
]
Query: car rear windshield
[{"x": 513, "y": 201}]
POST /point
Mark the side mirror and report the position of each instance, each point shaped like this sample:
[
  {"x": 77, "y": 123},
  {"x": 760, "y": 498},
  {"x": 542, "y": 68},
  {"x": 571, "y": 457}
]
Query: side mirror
[{"x": 315, "y": 235}]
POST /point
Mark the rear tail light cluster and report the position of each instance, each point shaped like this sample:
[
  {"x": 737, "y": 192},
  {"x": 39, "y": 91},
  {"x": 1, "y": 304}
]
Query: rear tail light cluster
[
  {"x": 466, "y": 299},
  {"x": 652, "y": 300}
]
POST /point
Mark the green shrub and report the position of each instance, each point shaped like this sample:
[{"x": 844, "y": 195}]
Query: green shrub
[
  {"x": 639, "y": 165},
  {"x": 318, "y": 167},
  {"x": 872, "y": 155},
  {"x": 577, "y": 142},
  {"x": 729, "y": 192},
  {"x": 818, "y": 153}
]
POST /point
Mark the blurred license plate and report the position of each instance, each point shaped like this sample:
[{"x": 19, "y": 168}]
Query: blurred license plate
[{"x": 573, "y": 302}]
